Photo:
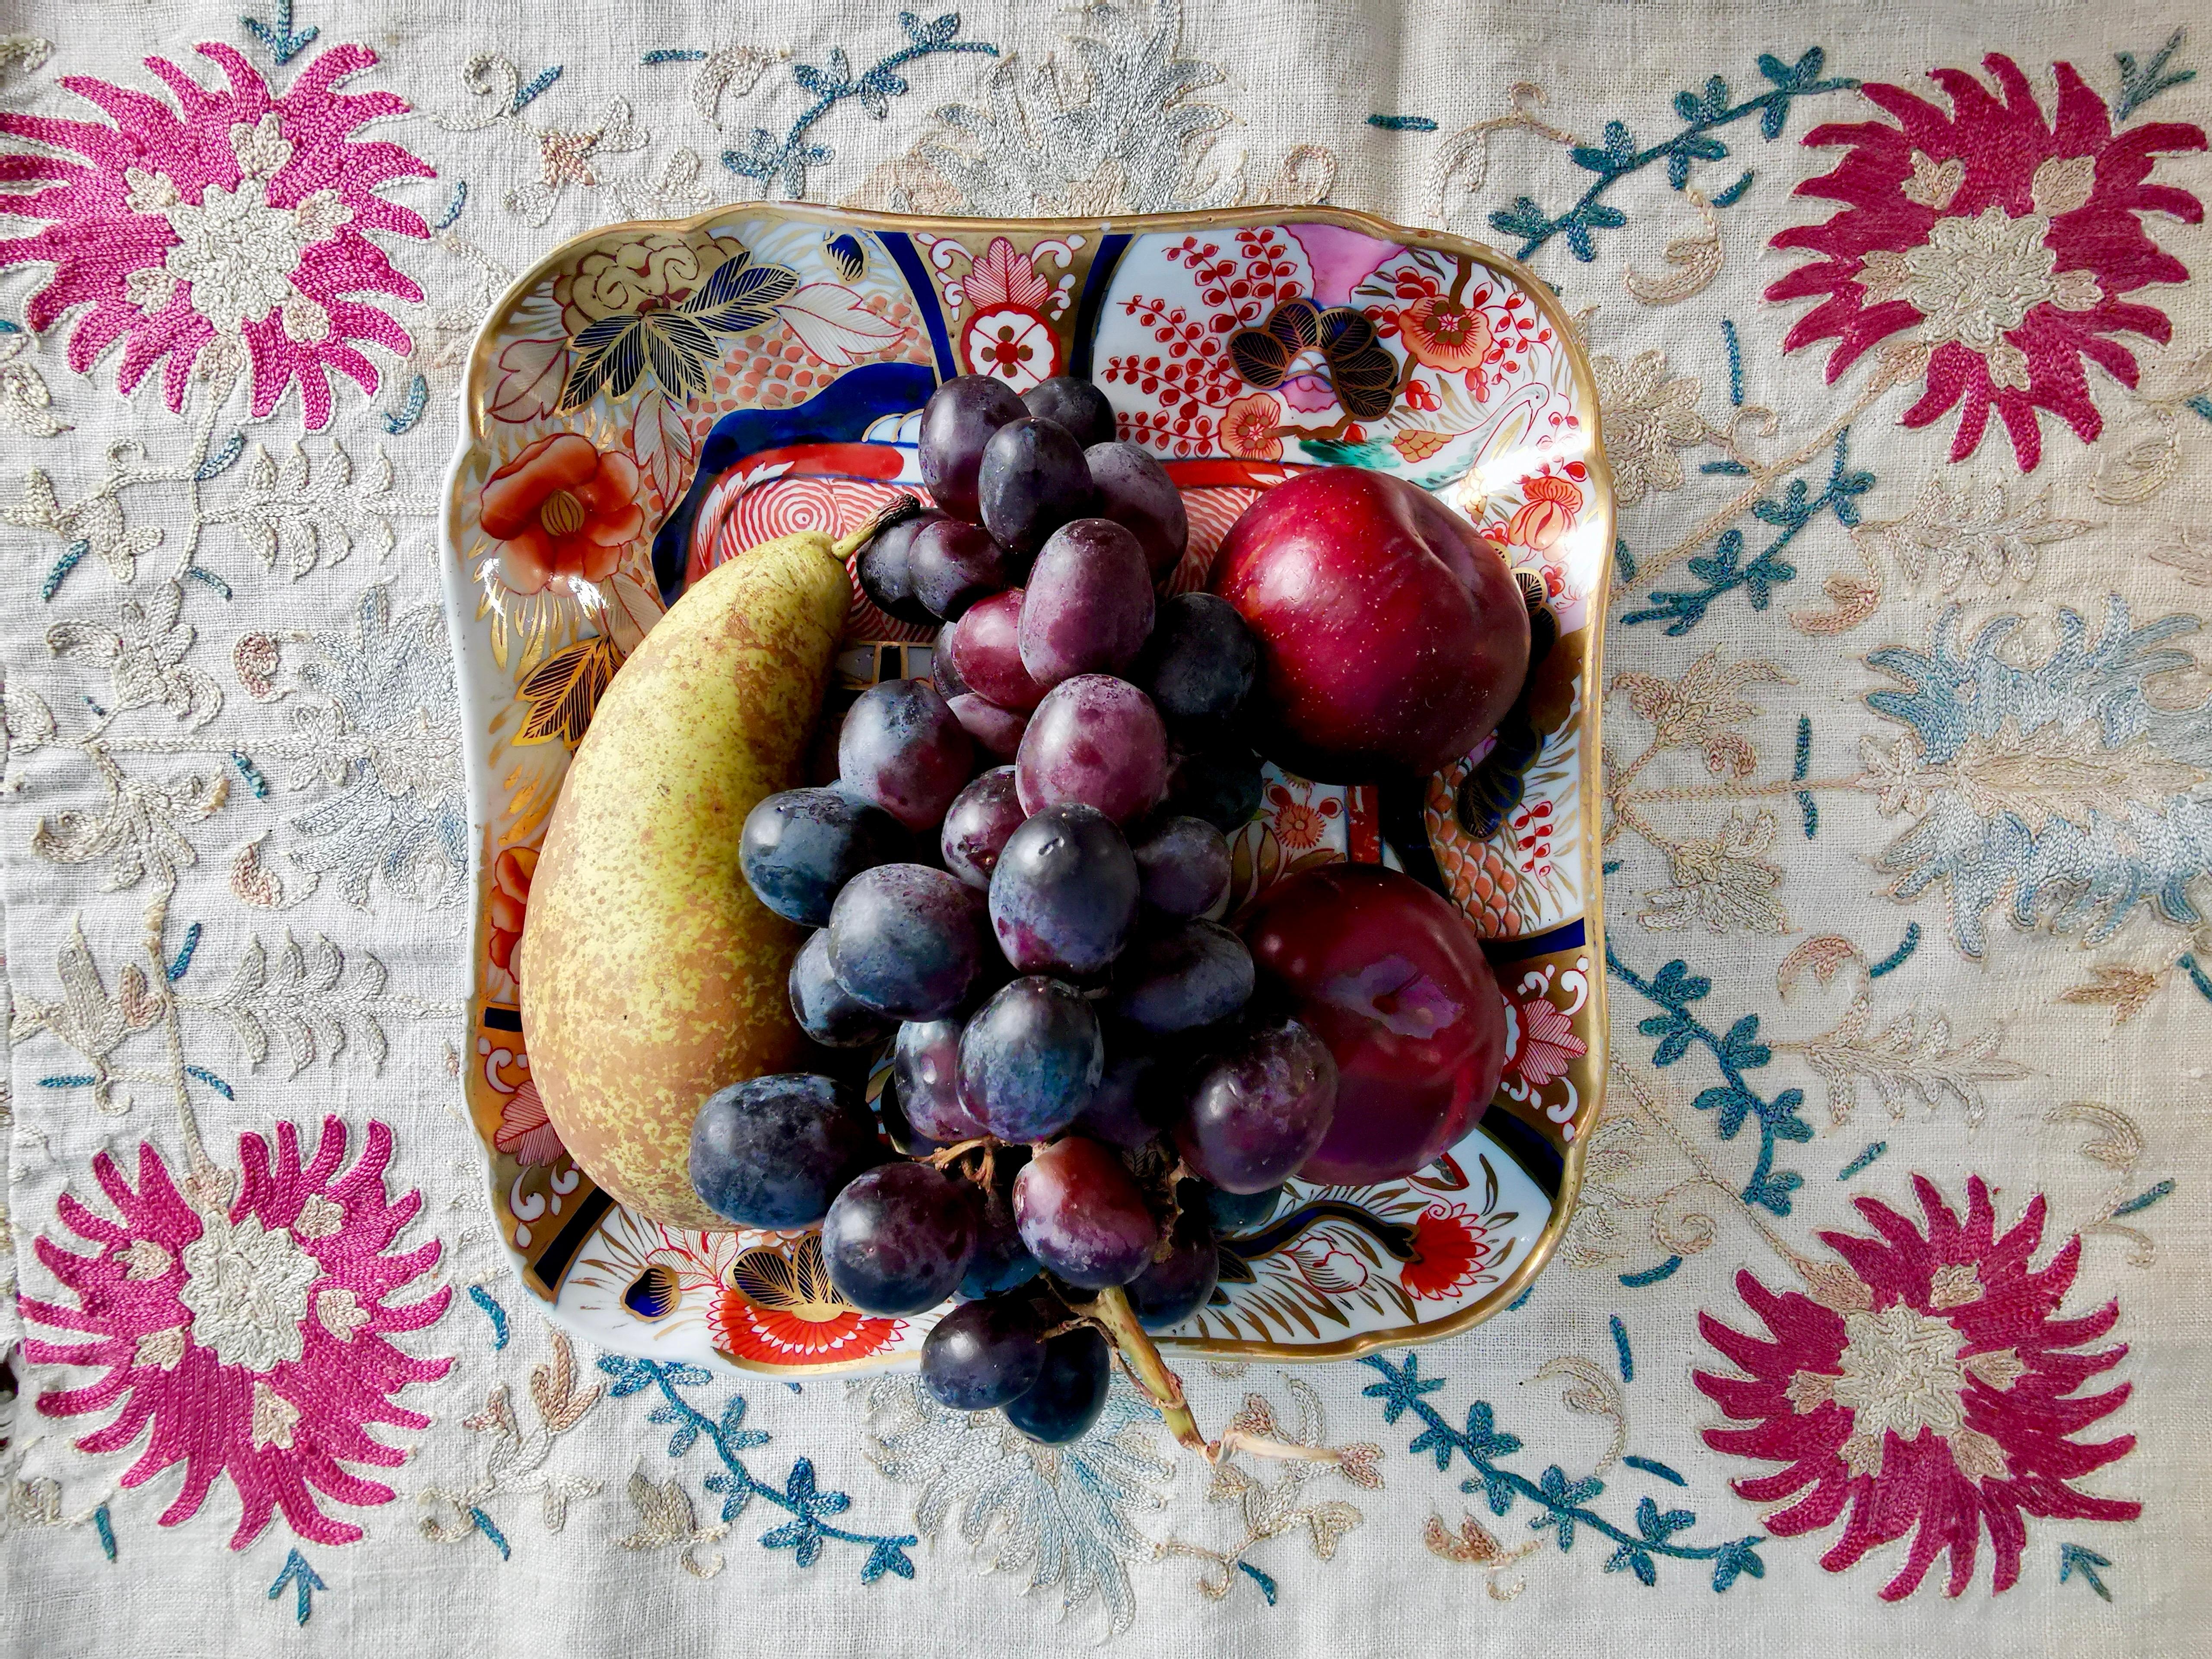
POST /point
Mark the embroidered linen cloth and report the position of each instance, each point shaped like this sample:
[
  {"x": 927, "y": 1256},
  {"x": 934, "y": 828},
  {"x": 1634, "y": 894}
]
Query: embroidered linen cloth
[{"x": 1875, "y": 1328}]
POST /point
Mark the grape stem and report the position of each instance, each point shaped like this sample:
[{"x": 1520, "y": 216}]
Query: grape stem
[
  {"x": 897, "y": 510},
  {"x": 1140, "y": 1355}
]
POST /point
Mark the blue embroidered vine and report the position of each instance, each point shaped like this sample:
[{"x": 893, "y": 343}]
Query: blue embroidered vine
[
  {"x": 493, "y": 1311},
  {"x": 284, "y": 45},
  {"x": 2144, "y": 1199},
  {"x": 1620, "y": 1346},
  {"x": 1809, "y": 810},
  {"x": 1873, "y": 1150},
  {"x": 401, "y": 422},
  {"x": 2075, "y": 1561},
  {"x": 2196, "y": 976},
  {"x": 2139, "y": 84},
  {"x": 1704, "y": 112},
  {"x": 302, "y": 1577},
  {"x": 784, "y": 161},
  {"x": 1734, "y": 1101},
  {"x": 181, "y": 963},
  {"x": 1403, "y": 123},
  {"x": 104, "y": 1524},
  {"x": 1897, "y": 959},
  {"x": 1724, "y": 569},
  {"x": 1562, "y": 1504},
  {"x": 806, "y": 1533}
]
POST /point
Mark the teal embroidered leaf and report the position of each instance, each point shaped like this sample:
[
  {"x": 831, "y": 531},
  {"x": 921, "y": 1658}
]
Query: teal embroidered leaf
[
  {"x": 2074, "y": 1560},
  {"x": 2140, "y": 83},
  {"x": 1564, "y": 1506},
  {"x": 801, "y": 1497}
]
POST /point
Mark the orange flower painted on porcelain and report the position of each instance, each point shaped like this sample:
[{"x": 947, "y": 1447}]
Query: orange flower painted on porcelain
[
  {"x": 779, "y": 1306},
  {"x": 561, "y": 511},
  {"x": 1547, "y": 515},
  {"x": 1300, "y": 823},
  {"x": 510, "y": 899},
  {"x": 1450, "y": 1249},
  {"x": 1248, "y": 427}
]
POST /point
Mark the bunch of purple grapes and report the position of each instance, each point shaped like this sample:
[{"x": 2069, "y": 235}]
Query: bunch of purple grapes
[{"x": 1084, "y": 1099}]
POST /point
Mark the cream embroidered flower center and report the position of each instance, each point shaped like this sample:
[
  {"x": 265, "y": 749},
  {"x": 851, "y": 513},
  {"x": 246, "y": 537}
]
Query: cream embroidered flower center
[
  {"x": 1901, "y": 1373},
  {"x": 1974, "y": 280},
  {"x": 236, "y": 249},
  {"x": 246, "y": 1290}
]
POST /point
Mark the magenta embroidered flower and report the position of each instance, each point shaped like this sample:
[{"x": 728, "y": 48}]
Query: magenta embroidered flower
[
  {"x": 1926, "y": 1384},
  {"x": 2004, "y": 243},
  {"x": 232, "y": 217},
  {"x": 251, "y": 1333}
]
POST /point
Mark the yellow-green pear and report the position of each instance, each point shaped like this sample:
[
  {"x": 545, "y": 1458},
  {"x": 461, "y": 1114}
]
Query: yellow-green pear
[{"x": 651, "y": 976}]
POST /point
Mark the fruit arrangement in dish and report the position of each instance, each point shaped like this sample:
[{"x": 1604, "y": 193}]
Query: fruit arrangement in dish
[
  {"x": 807, "y": 426},
  {"x": 1015, "y": 885}
]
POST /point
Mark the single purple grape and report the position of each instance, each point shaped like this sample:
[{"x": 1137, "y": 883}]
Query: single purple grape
[
  {"x": 1131, "y": 1081},
  {"x": 1088, "y": 606},
  {"x": 1075, "y": 405},
  {"x": 1081, "y": 1214},
  {"x": 1183, "y": 864},
  {"x": 987, "y": 652},
  {"x": 1231, "y": 1213},
  {"x": 902, "y": 749},
  {"x": 1218, "y": 782},
  {"x": 898, "y": 1239},
  {"x": 1177, "y": 1285},
  {"x": 1067, "y": 1397},
  {"x": 953, "y": 564},
  {"x": 882, "y": 568},
  {"x": 1097, "y": 740},
  {"x": 943, "y": 674},
  {"x": 773, "y": 1151},
  {"x": 1030, "y": 1059},
  {"x": 906, "y": 940},
  {"x": 926, "y": 1065},
  {"x": 1134, "y": 491},
  {"x": 1001, "y": 1260},
  {"x": 1032, "y": 481},
  {"x": 994, "y": 731},
  {"x": 1064, "y": 895},
  {"x": 799, "y": 847},
  {"x": 956, "y": 423},
  {"x": 981, "y": 819},
  {"x": 1260, "y": 1110},
  {"x": 982, "y": 1354},
  {"x": 1198, "y": 974},
  {"x": 825, "y": 1009},
  {"x": 1199, "y": 662}
]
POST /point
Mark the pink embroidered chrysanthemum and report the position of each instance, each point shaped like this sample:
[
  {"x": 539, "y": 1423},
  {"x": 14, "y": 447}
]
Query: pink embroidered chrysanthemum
[
  {"x": 233, "y": 216},
  {"x": 2004, "y": 243},
  {"x": 1927, "y": 1385},
  {"x": 250, "y": 1335}
]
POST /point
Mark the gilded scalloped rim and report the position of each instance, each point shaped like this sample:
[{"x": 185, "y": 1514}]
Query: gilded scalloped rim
[{"x": 460, "y": 599}]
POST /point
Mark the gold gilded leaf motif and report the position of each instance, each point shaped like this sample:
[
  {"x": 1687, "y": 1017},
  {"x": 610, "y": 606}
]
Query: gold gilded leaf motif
[
  {"x": 1417, "y": 444},
  {"x": 562, "y": 691}
]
